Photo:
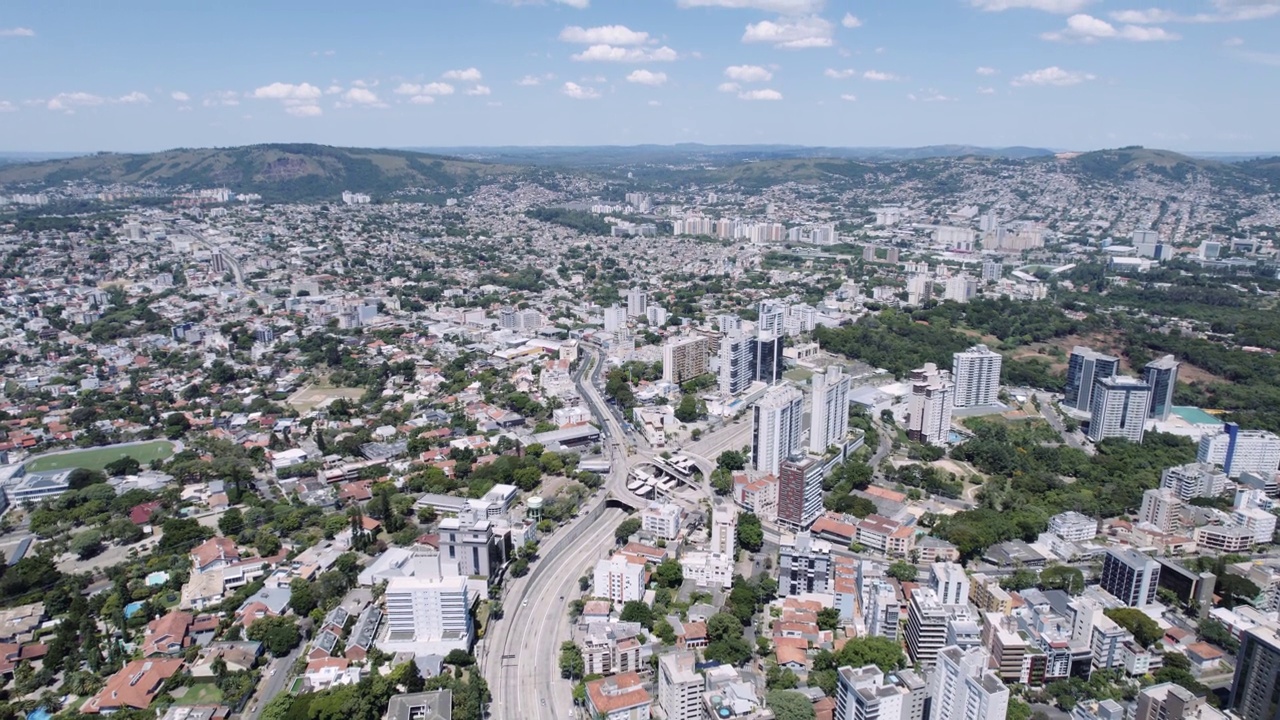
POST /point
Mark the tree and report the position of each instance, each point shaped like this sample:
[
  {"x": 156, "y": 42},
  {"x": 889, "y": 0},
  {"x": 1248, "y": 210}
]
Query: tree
[
  {"x": 902, "y": 571},
  {"x": 732, "y": 460},
  {"x": 687, "y": 410},
  {"x": 411, "y": 678},
  {"x": 278, "y": 635},
  {"x": 520, "y": 567},
  {"x": 87, "y": 544},
  {"x": 231, "y": 523},
  {"x": 669, "y": 573},
  {"x": 626, "y": 529},
  {"x": 637, "y": 611},
  {"x": 1062, "y": 577},
  {"x": 459, "y": 658},
  {"x": 301, "y": 597},
  {"x": 1020, "y": 579},
  {"x": 725, "y": 642},
  {"x": 750, "y": 532},
  {"x": 1145, "y": 630},
  {"x": 181, "y": 534},
  {"x": 126, "y": 465},
  {"x": 81, "y": 478},
  {"x": 789, "y": 705},
  {"x": 828, "y": 619},
  {"x": 722, "y": 481},
  {"x": 871, "y": 650},
  {"x": 571, "y": 663}
]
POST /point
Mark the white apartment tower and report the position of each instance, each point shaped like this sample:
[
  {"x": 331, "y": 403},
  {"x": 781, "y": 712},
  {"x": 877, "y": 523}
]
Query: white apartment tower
[
  {"x": 950, "y": 583},
  {"x": 830, "y": 417},
  {"x": 977, "y": 374},
  {"x": 737, "y": 362},
  {"x": 929, "y": 408},
  {"x": 1118, "y": 408},
  {"x": 684, "y": 359},
  {"x": 615, "y": 318},
  {"x": 775, "y": 433},
  {"x": 724, "y": 525},
  {"x": 1239, "y": 451},
  {"x": 960, "y": 687},
  {"x": 679, "y": 686},
  {"x": 618, "y": 579},
  {"x": 427, "y": 606},
  {"x": 1194, "y": 480},
  {"x": 637, "y": 303}
]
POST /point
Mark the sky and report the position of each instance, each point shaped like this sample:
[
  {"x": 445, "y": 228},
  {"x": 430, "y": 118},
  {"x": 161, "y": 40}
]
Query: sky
[{"x": 126, "y": 75}]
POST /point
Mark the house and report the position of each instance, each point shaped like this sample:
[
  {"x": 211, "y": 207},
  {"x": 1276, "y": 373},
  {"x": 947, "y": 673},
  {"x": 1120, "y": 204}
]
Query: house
[
  {"x": 330, "y": 672},
  {"x": 436, "y": 705},
  {"x": 214, "y": 553},
  {"x": 1205, "y": 658},
  {"x": 619, "y": 697},
  {"x": 12, "y": 653},
  {"x": 167, "y": 634},
  {"x": 142, "y": 514},
  {"x": 135, "y": 686},
  {"x": 237, "y": 656},
  {"x": 18, "y": 624},
  {"x": 267, "y": 602}
]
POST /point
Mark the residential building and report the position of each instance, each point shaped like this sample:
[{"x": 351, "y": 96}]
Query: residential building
[
  {"x": 960, "y": 288},
  {"x": 661, "y": 520},
  {"x": 1257, "y": 676},
  {"x": 929, "y": 407},
  {"x": 799, "y": 491},
  {"x": 1009, "y": 649},
  {"x": 977, "y": 376},
  {"x": 615, "y": 318},
  {"x": 637, "y": 303},
  {"x": 1239, "y": 451},
  {"x": 434, "y": 705},
  {"x": 866, "y": 693},
  {"x": 427, "y": 608},
  {"x": 1194, "y": 480},
  {"x": 1130, "y": 576},
  {"x": 960, "y": 687},
  {"x": 684, "y": 359},
  {"x": 609, "y": 648},
  {"x": 1073, "y": 526},
  {"x": 830, "y": 417},
  {"x": 618, "y": 579},
  {"x": 1163, "y": 509},
  {"x": 769, "y": 360},
  {"x": 777, "y": 420},
  {"x": 469, "y": 540},
  {"x": 737, "y": 362},
  {"x": 724, "y": 525},
  {"x": 927, "y": 620},
  {"x": 1162, "y": 376},
  {"x": 133, "y": 687},
  {"x": 804, "y": 565},
  {"x": 949, "y": 582},
  {"x": 1083, "y": 368},
  {"x": 881, "y": 611},
  {"x": 679, "y": 686},
  {"x": 1168, "y": 701},
  {"x": 620, "y": 697},
  {"x": 1119, "y": 408}
]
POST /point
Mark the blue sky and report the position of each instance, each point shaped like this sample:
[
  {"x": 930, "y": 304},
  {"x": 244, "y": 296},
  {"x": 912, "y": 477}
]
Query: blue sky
[{"x": 1071, "y": 74}]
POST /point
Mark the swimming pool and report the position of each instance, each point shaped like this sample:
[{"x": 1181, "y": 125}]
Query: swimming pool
[
  {"x": 39, "y": 714},
  {"x": 130, "y": 610}
]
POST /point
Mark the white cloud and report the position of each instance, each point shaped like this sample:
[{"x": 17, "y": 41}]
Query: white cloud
[
  {"x": 304, "y": 110},
  {"x": 646, "y": 77},
  {"x": 765, "y": 94},
  {"x": 578, "y": 4},
  {"x": 987, "y": 71},
  {"x": 179, "y": 96},
  {"x": 480, "y": 90},
  {"x": 747, "y": 73},
  {"x": 1054, "y": 76},
  {"x": 986, "y": 91},
  {"x": 793, "y": 33},
  {"x": 529, "y": 81},
  {"x": 579, "y": 92},
  {"x": 839, "y": 74},
  {"x": 70, "y": 101},
  {"x": 422, "y": 99},
  {"x": 877, "y": 76},
  {"x": 1233, "y": 42},
  {"x": 729, "y": 87},
  {"x": 361, "y": 96},
  {"x": 604, "y": 35},
  {"x": 1226, "y": 11},
  {"x": 611, "y": 53},
  {"x": 929, "y": 96},
  {"x": 851, "y": 21},
  {"x": 286, "y": 91},
  {"x": 221, "y": 97},
  {"x": 849, "y": 98},
  {"x": 435, "y": 88},
  {"x": 1061, "y": 7},
  {"x": 134, "y": 98},
  {"x": 468, "y": 75},
  {"x": 17, "y": 32},
  {"x": 782, "y": 7},
  {"x": 655, "y": 103},
  {"x": 1089, "y": 29}
]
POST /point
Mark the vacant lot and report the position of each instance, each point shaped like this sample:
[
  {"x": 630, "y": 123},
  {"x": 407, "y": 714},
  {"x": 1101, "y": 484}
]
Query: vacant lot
[
  {"x": 308, "y": 398},
  {"x": 99, "y": 457}
]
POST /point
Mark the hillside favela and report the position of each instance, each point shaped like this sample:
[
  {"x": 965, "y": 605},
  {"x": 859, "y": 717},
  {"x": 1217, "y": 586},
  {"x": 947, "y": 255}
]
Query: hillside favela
[{"x": 670, "y": 360}]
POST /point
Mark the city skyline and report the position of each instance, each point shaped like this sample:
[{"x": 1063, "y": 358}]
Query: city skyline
[{"x": 1064, "y": 74}]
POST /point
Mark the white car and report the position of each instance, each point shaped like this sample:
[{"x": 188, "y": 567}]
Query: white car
[{"x": 524, "y": 604}]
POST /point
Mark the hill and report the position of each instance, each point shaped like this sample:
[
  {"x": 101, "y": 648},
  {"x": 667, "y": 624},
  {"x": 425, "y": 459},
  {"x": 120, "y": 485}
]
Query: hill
[
  {"x": 1129, "y": 162},
  {"x": 279, "y": 172}
]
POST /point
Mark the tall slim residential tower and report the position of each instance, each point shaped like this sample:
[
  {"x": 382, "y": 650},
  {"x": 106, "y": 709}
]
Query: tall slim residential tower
[
  {"x": 1253, "y": 689},
  {"x": 775, "y": 432},
  {"x": 772, "y": 317},
  {"x": 729, "y": 323},
  {"x": 960, "y": 687},
  {"x": 1130, "y": 576},
  {"x": 615, "y": 318},
  {"x": 1083, "y": 368},
  {"x": 768, "y": 360},
  {"x": 637, "y": 303},
  {"x": 799, "y": 491},
  {"x": 737, "y": 362},
  {"x": 1162, "y": 376},
  {"x": 1119, "y": 408},
  {"x": 977, "y": 373},
  {"x": 679, "y": 686},
  {"x": 830, "y": 417},
  {"x": 929, "y": 407},
  {"x": 684, "y": 359}
]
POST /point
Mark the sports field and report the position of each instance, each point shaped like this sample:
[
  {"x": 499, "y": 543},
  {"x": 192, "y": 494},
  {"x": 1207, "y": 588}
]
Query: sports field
[{"x": 99, "y": 457}]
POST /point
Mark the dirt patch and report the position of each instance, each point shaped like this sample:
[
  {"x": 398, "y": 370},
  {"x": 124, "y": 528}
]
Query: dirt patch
[{"x": 310, "y": 397}]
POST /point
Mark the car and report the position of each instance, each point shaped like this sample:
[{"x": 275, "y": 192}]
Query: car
[
  {"x": 524, "y": 604},
  {"x": 273, "y": 671}
]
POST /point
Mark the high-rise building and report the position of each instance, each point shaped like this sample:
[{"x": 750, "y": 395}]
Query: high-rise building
[
  {"x": 1083, "y": 368},
  {"x": 724, "y": 524},
  {"x": 771, "y": 316},
  {"x": 804, "y": 565},
  {"x": 830, "y": 416},
  {"x": 1130, "y": 576},
  {"x": 1194, "y": 480},
  {"x": 775, "y": 433},
  {"x": 919, "y": 289},
  {"x": 926, "y": 628},
  {"x": 618, "y": 579},
  {"x": 615, "y": 318},
  {"x": 1168, "y": 701},
  {"x": 1162, "y": 508},
  {"x": 1119, "y": 408},
  {"x": 218, "y": 263},
  {"x": 977, "y": 376},
  {"x": 929, "y": 407},
  {"x": 470, "y": 541},
  {"x": 799, "y": 491},
  {"x": 684, "y": 359},
  {"x": 992, "y": 270},
  {"x": 737, "y": 362},
  {"x": 950, "y": 583},
  {"x": 426, "y": 606},
  {"x": 729, "y": 323},
  {"x": 1239, "y": 451},
  {"x": 769, "y": 360},
  {"x": 960, "y": 687},
  {"x": 637, "y": 303},
  {"x": 1257, "y": 678},
  {"x": 866, "y": 693},
  {"x": 960, "y": 288},
  {"x": 679, "y": 686},
  {"x": 1162, "y": 376}
]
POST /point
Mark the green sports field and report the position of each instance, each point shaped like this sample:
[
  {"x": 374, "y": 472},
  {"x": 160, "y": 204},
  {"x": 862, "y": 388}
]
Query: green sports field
[{"x": 99, "y": 457}]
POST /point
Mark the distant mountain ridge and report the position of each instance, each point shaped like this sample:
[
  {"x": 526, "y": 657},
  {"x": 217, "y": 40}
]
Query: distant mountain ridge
[{"x": 610, "y": 155}]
